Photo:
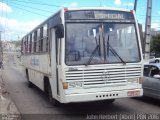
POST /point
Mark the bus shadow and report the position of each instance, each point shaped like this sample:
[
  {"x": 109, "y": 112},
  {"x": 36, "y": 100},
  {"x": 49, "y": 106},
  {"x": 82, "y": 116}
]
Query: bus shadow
[{"x": 97, "y": 107}]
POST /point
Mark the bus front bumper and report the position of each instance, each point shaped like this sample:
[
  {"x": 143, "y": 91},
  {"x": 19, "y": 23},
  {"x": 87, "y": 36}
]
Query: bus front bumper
[{"x": 102, "y": 96}]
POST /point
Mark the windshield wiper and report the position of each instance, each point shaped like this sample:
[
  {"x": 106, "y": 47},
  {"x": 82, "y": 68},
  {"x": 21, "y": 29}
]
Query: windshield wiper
[
  {"x": 92, "y": 54},
  {"x": 114, "y": 52}
]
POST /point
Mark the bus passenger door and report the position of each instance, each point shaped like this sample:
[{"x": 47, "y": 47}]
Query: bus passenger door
[{"x": 54, "y": 64}]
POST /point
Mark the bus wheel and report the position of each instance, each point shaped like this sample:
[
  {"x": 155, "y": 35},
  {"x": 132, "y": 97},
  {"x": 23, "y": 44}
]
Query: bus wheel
[
  {"x": 30, "y": 84},
  {"x": 53, "y": 101}
]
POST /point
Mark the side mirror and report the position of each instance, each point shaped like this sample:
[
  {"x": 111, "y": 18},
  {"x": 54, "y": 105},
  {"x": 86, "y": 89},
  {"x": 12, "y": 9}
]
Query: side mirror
[
  {"x": 60, "y": 31},
  {"x": 157, "y": 76}
]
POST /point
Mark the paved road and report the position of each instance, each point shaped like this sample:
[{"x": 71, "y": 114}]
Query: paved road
[{"x": 32, "y": 102}]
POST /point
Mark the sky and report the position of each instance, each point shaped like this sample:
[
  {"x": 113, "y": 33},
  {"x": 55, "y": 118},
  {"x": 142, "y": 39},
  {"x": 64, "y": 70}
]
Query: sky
[{"x": 18, "y": 17}]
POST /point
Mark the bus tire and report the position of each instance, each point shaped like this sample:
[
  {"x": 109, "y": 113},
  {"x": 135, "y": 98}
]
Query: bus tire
[
  {"x": 30, "y": 84},
  {"x": 53, "y": 101}
]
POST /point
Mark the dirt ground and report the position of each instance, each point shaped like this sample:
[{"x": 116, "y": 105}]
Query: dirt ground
[{"x": 8, "y": 110}]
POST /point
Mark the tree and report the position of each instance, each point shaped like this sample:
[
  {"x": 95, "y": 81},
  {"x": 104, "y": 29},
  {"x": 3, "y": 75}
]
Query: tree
[{"x": 155, "y": 45}]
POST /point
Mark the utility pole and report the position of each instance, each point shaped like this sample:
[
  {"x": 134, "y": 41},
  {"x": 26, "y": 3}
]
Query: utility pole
[
  {"x": 148, "y": 30},
  {"x": 135, "y": 5}
]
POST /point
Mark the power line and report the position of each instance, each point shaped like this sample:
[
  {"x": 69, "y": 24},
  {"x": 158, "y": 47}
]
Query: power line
[
  {"x": 145, "y": 15},
  {"x": 143, "y": 19},
  {"x": 29, "y": 11},
  {"x": 38, "y": 3},
  {"x": 31, "y": 7}
]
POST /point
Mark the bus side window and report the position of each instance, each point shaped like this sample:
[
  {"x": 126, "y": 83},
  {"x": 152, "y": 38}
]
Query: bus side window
[
  {"x": 30, "y": 43},
  {"x": 27, "y": 44},
  {"x": 35, "y": 40},
  {"x": 24, "y": 45},
  {"x": 45, "y": 38},
  {"x": 38, "y": 41},
  {"x": 41, "y": 40}
]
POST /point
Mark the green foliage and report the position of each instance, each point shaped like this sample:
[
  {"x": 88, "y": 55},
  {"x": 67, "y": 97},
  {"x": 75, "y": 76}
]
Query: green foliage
[{"x": 155, "y": 45}]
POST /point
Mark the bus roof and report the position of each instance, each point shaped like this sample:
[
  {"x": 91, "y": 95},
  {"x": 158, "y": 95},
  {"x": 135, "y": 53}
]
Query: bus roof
[
  {"x": 98, "y": 8},
  {"x": 78, "y": 8}
]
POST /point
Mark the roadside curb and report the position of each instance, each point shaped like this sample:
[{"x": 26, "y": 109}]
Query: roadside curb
[{"x": 8, "y": 109}]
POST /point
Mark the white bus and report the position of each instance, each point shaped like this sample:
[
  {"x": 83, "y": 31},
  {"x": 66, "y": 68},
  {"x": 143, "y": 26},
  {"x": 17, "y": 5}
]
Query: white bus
[{"x": 85, "y": 54}]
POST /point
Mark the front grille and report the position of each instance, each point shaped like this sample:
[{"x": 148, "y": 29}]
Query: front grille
[{"x": 104, "y": 76}]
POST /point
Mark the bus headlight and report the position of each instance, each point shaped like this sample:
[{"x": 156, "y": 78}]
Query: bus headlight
[
  {"x": 75, "y": 84},
  {"x": 133, "y": 80}
]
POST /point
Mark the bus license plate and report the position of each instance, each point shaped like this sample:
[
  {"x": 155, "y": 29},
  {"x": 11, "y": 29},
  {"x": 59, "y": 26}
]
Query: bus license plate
[{"x": 133, "y": 93}]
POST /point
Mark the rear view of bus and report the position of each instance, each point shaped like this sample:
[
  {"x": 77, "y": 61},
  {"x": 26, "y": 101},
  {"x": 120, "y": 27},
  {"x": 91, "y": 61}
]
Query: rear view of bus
[{"x": 100, "y": 55}]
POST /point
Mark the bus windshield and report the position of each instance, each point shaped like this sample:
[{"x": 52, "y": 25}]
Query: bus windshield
[{"x": 93, "y": 42}]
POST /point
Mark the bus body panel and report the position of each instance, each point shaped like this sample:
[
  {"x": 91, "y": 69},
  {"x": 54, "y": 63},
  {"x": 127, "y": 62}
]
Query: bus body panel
[
  {"x": 96, "y": 96},
  {"x": 38, "y": 67}
]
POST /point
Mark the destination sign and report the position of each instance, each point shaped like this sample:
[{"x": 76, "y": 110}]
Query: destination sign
[
  {"x": 109, "y": 16},
  {"x": 98, "y": 14}
]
